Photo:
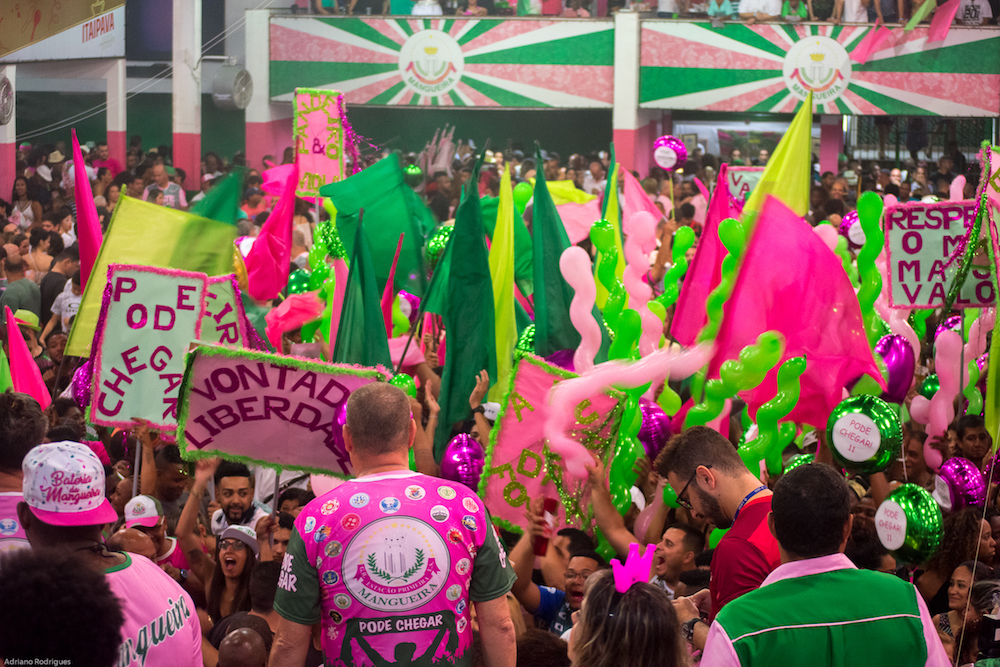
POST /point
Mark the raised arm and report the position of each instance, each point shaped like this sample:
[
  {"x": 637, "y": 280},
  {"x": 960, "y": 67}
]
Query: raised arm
[
  {"x": 147, "y": 467},
  {"x": 608, "y": 519},
  {"x": 522, "y": 556},
  {"x": 201, "y": 563}
]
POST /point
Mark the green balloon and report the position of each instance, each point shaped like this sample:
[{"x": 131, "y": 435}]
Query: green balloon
[
  {"x": 773, "y": 438},
  {"x": 670, "y": 496},
  {"x": 908, "y": 524},
  {"x": 437, "y": 243},
  {"x": 406, "y": 383},
  {"x": 522, "y": 194},
  {"x": 320, "y": 270},
  {"x": 626, "y": 335},
  {"x": 930, "y": 386},
  {"x": 298, "y": 282},
  {"x": 716, "y": 536},
  {"x": 526, "y": 343},
  {"x": 413, "y": 175},
  {"x": 864, "y": 434}
]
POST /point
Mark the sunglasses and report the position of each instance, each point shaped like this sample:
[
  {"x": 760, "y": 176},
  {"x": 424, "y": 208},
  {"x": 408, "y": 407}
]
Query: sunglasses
[
  {"x": 235, "y": 545},
  {"x": 681, "y": 500}
]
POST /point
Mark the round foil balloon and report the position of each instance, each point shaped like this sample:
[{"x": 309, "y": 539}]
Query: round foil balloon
[
  {"x": 412, "y": 307},
  {"x": 463, "y": 460},
  {"x": 655, "y": 429},
  {"x": 669, "y": 152},
  {"x": 850, "y": 228},
  {"x": 81, "y": 384},
  {"x": 897, "y": 354},
  {"x": 413, "y": 175},
  {"x": 953, "y": 323},
  {"x": 864, "y": 434},
  {"x": 908, "y": 523},
  {"x": 929, "y": 386},
  {"x": 526, "y": 343},
  {"x": 404, "y": 382},
  {"x": 959, "y": 484},
  {"x": 436, "y": 244}
]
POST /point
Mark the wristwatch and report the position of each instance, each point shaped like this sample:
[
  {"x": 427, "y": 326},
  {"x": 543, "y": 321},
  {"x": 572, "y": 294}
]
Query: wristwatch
[
  {"x": 687, "y": 628},
  {"x": 481, "y": 410},
  {"x": 184, "y": 574}
]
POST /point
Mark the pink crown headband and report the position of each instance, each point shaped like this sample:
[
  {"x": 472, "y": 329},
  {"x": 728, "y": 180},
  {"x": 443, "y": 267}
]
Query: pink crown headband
[{"x": 635, "y": 570}]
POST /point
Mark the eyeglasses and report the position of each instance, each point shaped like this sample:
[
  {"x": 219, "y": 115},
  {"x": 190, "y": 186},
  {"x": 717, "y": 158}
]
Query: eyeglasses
[
  {"x": 681, "y": 500},
  {"x": 573, "y": 576},
  {"x": 235, "y": 545}
]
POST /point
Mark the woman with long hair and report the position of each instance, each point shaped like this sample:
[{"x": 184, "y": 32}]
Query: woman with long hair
[
  {"x": 112, "y": 194},
  {"x": 39, "y": 260},
  {"x": 961, "y": 538},
  {"x": 27, "y": 211},
  {"x": 970, "y": 595},
  {"x": 637, "y": 628}
]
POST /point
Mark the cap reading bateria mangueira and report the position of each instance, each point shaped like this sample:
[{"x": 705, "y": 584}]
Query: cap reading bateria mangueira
[{"x": 64, "y": 485}]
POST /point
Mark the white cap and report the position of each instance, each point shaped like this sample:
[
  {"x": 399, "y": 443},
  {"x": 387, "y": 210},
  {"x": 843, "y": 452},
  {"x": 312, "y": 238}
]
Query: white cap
[
  {"x": 144, "y": 511},
  {"x": 64, "y": 485},
  {"x": 244, "y": 534}
]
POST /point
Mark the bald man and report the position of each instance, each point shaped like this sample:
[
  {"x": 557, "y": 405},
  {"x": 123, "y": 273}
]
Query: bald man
[
  {"x": 133, "y": 541},
  {"x": 242, "y": 648},
  {"x": 173, "y": 194}
]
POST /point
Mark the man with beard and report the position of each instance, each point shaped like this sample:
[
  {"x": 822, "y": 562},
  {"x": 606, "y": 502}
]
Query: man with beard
[
  {"x": 551, "y": 605},
  {"x": 712, "y": 481},
  {"x": 234, "y": 492}
]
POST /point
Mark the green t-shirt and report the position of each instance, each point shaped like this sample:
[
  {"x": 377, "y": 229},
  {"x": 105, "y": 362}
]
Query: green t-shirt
[{"x": 801, "y": 12}]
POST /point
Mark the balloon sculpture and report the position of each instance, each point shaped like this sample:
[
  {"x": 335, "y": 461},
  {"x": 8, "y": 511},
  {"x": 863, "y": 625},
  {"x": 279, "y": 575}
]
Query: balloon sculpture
[
  {"x": 939, "y": 411},
  {"x": 602, "y": 235},
  {"x": 463, "y": 461},
  {"x": 771, "y": 438},
  {"x": 683, "y": 240}
]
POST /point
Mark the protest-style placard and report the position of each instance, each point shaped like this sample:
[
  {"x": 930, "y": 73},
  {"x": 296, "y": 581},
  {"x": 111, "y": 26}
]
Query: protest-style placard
[
  {"x": 920, "y": 240},
  {"x": 149, "y": 316},
  {"x": 742, "y": 181},
  {"x": 319, "y": 139},
  {"x": 272, "y": 410},
  {"x": 519, "y": 465},
  {"x": 224, "y": 321}
]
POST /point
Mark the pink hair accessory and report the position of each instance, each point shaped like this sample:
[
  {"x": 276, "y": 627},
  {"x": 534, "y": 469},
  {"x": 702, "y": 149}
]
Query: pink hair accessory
[{"x": 635, "y": 570}]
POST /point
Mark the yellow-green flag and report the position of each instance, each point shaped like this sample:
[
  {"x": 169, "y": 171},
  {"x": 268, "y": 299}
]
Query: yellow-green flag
[
  {"x": 787, "y": 173},
  {"x": 502, "y": 277},
  {"x": 611, "y": 214}
]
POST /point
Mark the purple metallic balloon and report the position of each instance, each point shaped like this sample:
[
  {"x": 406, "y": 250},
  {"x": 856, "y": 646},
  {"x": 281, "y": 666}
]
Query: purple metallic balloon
[
  {"x": 414, "y": 302},
  {"x": 953, "y": 323},
  {"x": 966, "y": 484},
  {"x": 81, "y": 384},
  {"x": 463, "y": 461},
  {"x": 655, "y": 429},
  {"x": 562, "y": 359},
  {"x": 675, "y": 145},
  {"x": 897, "y": 354}
]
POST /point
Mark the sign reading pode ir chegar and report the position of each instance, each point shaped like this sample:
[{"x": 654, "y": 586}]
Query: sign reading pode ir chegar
[{"x": 920, "y": 239}]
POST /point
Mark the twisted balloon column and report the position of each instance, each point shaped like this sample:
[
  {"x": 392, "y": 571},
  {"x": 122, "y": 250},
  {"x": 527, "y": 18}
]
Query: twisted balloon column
[
  {"x": 971, "y": 391},
  {"x": 973, "y": 350},
  {"x": 939, "y": 411},
  {"x": 566, "y": 395},
  {"x": 754, "y": 362},
  {"x": 869, "y": 213},
  {"x": 575, "y": 267},
  {"x": 641, "y": 241},
  {"x": 733, "y": 237},
  {"x": 602, "y": 235},
  {"x": 771, "y": 438},
  {"x": 845, "y": 258},
  {"x": 683, "y": 240}
]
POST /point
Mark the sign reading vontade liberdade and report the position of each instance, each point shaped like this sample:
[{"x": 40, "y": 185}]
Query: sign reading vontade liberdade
[
  {"x": 268, "y": 409},
  {"x": 920, "y": 239}
]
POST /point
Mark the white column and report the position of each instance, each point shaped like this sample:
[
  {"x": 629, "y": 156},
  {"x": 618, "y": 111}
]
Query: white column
[
  {"x": 268, "y": 125},
  {"x": 632, "y": 127},
  {"x": 187, "y": 89},
  {"x": 117, "y": 139}
]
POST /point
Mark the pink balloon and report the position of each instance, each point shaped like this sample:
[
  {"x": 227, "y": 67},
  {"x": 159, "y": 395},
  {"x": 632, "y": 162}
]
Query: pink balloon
[
  {"x": 575, "y": 268},
  {"x": 947, "y": 360},
  {"x": 639, "y": 242},
  {"x": 957, "y": 190},
  {"x": 977, "y": 333},
  {"x": 829, "y": 235},
  {"x": 566, "y": 395}
]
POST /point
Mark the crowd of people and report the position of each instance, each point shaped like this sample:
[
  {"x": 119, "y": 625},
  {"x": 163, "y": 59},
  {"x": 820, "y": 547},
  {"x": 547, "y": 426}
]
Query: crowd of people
[{"x": 154, "y": 560}]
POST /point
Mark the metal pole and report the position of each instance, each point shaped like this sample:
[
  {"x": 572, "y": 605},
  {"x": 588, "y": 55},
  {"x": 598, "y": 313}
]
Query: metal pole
[{"x": 135, "y": 470}]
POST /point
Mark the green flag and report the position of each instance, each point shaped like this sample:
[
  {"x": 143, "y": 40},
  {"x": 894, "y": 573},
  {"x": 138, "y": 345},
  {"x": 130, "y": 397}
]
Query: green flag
[
  {"x": 391, "y": 209},
  {"x": 6, "y": 381},
  {"x": 361, "y": 336},
  {"x": 223, "y": 201},
  {"x": 468, "y": 314},
  {"x": 522, "y": 242}
]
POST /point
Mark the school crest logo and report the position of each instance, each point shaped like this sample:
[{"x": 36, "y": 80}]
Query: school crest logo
[
  {"x": 818, "y": 64},
  {"x": 402, "y": 564},
  {"x": 431, "y": 63}
]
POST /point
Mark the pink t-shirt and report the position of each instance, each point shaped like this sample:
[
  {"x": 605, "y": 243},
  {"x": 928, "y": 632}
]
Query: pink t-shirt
[
  {"x": 12, "y": 535},
  {"x": 174, "y": 556},
  {"x": 161, "y": 626}
]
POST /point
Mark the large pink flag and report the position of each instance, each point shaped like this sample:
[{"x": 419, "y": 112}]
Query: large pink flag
[
  {"x": 270, "y": 256},
  {"x": 705, "y": 271},
  {"x": 871, "y": 43},
  {"x": 807, "y": 297},
  {"x": 88, "y": 225},
  {"x": 636, "y": 199},
  {"x": 24, "y": 373},
  {"x": 578, "y": 218},
  {"x": 944, "y": 16}
]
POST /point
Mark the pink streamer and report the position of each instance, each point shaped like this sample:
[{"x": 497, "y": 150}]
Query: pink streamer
[
  {"x": 87, "y": 223},
  {"x": 340, "y": 273},
  {"x": 575, "y": 267},
  {"x": 390, "y": 291},
  {"x": 24, "y": 372},
  {"x": 640, "y": 240},
  {"x": 269, "y": 257},
  {"x": 566, "y": 395}
]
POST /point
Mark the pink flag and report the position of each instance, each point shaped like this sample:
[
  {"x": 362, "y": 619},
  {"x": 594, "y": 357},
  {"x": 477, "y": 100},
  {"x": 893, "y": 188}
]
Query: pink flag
[
  {"x": 636, "y": 199},
  {"x": 24, "y": 373},
  {"x": 871, "y": 43},
  {"x": 270, "y": 256},
  {"x": 340, "y": 273},
  {"x": 292, "y": 313},
  {"x": 276, "y": 177},
  {"x": 944, "y": 16},
  {"x": 87, "y": 223},
  {"x": 706, "y": 269},
  {"x": 389, "y": 293},
  {"x": 806, "y": 297},
  {"x": 577, "y": 218}
]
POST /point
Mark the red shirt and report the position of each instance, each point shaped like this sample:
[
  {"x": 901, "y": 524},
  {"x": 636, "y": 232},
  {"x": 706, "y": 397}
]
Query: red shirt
[{"x": 745, "y": 555}]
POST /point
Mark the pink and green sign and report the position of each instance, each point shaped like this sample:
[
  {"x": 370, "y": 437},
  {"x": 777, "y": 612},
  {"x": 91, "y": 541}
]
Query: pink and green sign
[
  {"x": 770, "y": 68},
  {"x": 515, "y": 63}
]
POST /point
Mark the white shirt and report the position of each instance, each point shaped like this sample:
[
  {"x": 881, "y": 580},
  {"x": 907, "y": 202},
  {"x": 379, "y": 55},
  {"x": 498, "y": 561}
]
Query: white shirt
[
  {"x": 769, "y": 7},
  {"x": 972, "y": 12},
  {"x": 667, "y": 6},
  {"x": 854, "y": 12}
]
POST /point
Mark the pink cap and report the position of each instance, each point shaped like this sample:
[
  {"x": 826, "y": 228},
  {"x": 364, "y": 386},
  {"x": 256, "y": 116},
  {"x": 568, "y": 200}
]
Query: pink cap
[{"x": 64, "y": 485}]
